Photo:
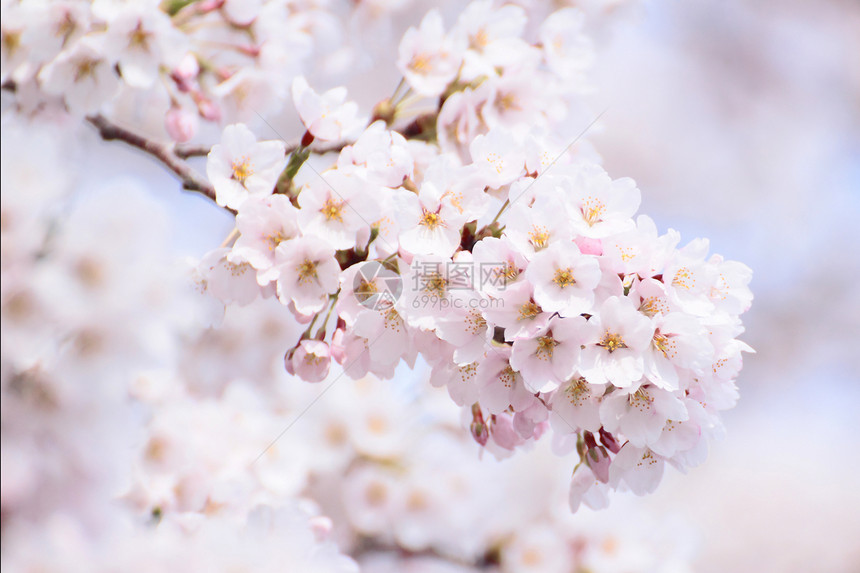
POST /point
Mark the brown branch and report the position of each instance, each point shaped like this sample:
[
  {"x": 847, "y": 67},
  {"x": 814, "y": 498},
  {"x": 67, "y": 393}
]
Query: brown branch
[
  {"x": 191, "y": 180},
  {"x": 186, "y": 150},
  {"x": 320, "y": 149}
]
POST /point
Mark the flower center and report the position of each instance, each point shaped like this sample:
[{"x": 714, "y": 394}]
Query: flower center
[
  {"x": 479, "y": 40},
  {"x": 237, "y": 269},
  {"x": 507, "y": 102},
  {"x": 564, "y": 278},
  {"x": 86, "y": 68},
  {"x": 431, "y": 220},
  {"x": 529, "y": 310},
  {"x": 436, "y": 285},
  {"x": 592, "y": 210},
  {"x": 275, "y": 239},
  {"x": 539, "y": 237},
  {"x": 496, "y": 162},
  {"x": 545, "y": 346},
  {"x": 684, "y": 279},
  {"x": 475, "y": 322},
  {"x": 420, "y": 63},
  {"x": 577, "y": 391},
  {"x": 307, "y": 271},
  {"x": 11, "y": 41},
  {"x": 653, "y": 306},
  {"x": 242, "y": 169},
  {"x": 332, "y": 210},
  {"x": 640, "y": 400},
  {"x": 365, "y": 290},
  {"x": 510, "y": 272},
  {"x": 508, "y": 376},
  {"x": 612, "y": 341},
  {"x": 393, "y": 321},
  {"x": 139, "y": 38}
]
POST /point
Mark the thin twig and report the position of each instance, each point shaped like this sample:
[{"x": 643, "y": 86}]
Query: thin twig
[
  {"x": 186, "y": 150},
  {"x": 191, "y": 180}
]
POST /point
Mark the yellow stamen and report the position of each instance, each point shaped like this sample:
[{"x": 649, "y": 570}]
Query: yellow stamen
[
  {"x": 592, "y": 210},
  {"x": 332, "y": 210},
  {"x": 436, "y": 284},
  {"x": 539, "y": 237},
  {"x": 529, "y": 310},
  {"x": 612, "y": 342},
  {"x": 564, "y": 278},
  {"x": 431, "y": 220},
  {"x": 545, "y": 347},
  {"x": 307, "y": 271},
  {"x": 242, "y": 169}
]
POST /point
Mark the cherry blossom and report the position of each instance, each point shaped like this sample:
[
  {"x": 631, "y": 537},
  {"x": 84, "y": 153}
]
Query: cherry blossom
[
  {"x": 474, "y": 281},
  {"x": 328, "y": 116},
  {"x": 240, "y": 166},
  {"x": 428, "y": 58},
  {"x": 307, "y": 273}
]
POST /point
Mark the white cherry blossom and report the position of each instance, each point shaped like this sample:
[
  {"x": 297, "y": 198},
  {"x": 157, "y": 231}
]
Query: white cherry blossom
[
  {"x": 83, "y": 74},
  {"x": 618, "y": 336},
  {"x": 552, "y": 356},
  {"x": 564, "y": 279},
  {"x": 428, "y": 58},
  {"x": 336, "y": 207},
  {"x": 240, "y": 166},
  {"x": 327, "y": 116},
  {"x": 307, "y": 273}
]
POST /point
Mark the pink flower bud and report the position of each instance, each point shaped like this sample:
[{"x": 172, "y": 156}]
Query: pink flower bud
[
  {"x": 288, "y": 361},
  {"x": 609, "y": 441},
  {"x": 181, "y": 125},
  {"x": 479, "y": 429},
  {"x": 598, "y": 460},
  {"x": 186, "y": 72},
  {"x": 208, "y": 109}
]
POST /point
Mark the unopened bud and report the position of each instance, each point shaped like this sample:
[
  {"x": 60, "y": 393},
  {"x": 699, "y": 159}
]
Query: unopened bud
[
  {"x": 598, "y": 460},
  {"x": 609, "y": 441},
  {"x": 288, "y": 361},
  {"x": 208, "y": 109},
  {"x": 186, "y": 72},
  {"x": 181, "y": 124},
  {"x": 479, "y": 429}
]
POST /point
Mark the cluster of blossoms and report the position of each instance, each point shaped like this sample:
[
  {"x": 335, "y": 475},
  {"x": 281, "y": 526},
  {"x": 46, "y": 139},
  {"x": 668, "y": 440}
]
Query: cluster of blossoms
[
  {"x": 178, "y": 61},
  {"x": 135, "y": 437},
  {"x": 514, "y": 268},
  {"x": 450, "y": 221}
]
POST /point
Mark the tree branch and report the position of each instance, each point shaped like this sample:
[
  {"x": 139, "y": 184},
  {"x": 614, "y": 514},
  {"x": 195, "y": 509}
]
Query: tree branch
[
  {"x": 186, "y": 150},
  {"x": 191, "y": 180}
]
